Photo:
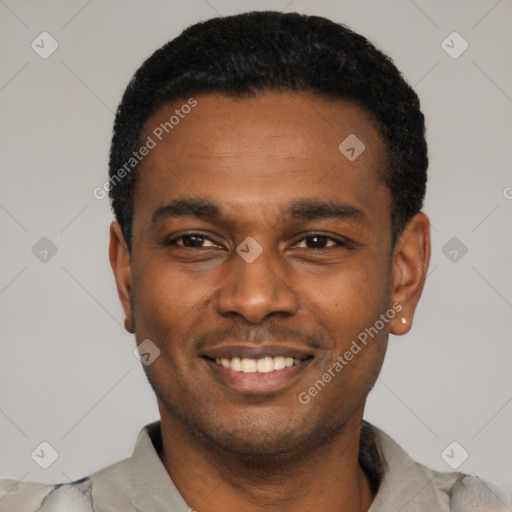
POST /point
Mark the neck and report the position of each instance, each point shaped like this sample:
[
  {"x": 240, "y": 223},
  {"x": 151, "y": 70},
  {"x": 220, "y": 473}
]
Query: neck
[{"x": 328, "y": 478}]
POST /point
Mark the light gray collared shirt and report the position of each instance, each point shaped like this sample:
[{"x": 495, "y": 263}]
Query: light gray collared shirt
[{"x": 140, "y": 483}]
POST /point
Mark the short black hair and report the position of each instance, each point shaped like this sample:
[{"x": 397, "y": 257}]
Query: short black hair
[{"x": 259, "y": 51}]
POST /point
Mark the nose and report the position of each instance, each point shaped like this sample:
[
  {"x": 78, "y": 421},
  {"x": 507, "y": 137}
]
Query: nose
[{"x": 257, "y": 289}]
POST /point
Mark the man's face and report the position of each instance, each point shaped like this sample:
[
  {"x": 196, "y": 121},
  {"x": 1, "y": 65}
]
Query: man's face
[{"x": 271, "y": 168}]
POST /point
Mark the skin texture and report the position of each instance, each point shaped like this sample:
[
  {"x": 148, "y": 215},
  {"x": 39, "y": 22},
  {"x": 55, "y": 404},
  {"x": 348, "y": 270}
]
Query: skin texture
[{"x": 229, "y": 445}]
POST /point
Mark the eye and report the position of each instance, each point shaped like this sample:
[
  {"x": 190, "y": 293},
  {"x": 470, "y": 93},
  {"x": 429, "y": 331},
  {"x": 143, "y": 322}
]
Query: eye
[
  {"x": 319, "y": 241},
  {"x": 191, "y": 240},
  {"x": 315, "y": 241}
]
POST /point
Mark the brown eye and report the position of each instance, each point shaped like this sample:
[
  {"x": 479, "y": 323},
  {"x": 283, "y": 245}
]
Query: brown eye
[
  {"x": 317, "y": 241},
  {"x": 193, "y": 240}
]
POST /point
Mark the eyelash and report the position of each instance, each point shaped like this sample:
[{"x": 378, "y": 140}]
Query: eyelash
[{"x": 339, "y": 243}]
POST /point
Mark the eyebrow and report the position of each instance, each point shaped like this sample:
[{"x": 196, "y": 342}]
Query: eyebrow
[
  {"x": 304, "y": 209},
  {"x": 202, "y": 208},
  {"x": 312, "y": 209}
]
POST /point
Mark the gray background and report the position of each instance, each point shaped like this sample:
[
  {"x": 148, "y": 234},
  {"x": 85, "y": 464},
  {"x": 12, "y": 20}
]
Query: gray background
[{"x": 68, "y": 374}]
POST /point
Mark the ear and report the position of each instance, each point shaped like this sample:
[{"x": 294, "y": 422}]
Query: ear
[
  {"x": 121, "y": 266},
  {"x": 411, "y": 257}
]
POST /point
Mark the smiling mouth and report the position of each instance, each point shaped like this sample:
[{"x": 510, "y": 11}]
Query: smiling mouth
[
  {"x": 257, "y": 370},
  {"x": 265, "y": 364}
]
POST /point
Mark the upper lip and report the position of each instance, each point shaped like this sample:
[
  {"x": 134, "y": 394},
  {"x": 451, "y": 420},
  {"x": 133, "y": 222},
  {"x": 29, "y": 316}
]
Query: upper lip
[{"x": 255, "y": 352}]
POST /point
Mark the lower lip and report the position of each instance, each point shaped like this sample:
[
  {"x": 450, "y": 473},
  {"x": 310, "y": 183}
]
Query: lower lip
[{"x": 257, "y": 383}]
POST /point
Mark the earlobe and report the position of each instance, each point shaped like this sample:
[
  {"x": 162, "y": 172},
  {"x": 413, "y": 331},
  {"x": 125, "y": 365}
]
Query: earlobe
[
  {"x": 411, "y": 258},
  {"x": 119, "y": 256}
]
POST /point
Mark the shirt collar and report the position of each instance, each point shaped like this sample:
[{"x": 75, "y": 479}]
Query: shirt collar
[
  {"x": 405, "y": 485},
  {"x": 408, "y": 486},
  {"x": 153, "y": 486}
]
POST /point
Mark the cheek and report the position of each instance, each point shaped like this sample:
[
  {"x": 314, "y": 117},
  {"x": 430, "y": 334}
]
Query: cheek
[
  {"x": 356, "y": 292},
  {"x": 347, "y": 307},
  {"x": 166, "y": 309},
  {"x": 163, "y": 290},
  {"x": 160, "y": 304}
]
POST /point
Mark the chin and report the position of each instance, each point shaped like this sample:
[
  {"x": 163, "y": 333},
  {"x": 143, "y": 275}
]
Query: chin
[
  {"x": 255, "y": 433},
  {"x": 264, "y": 439},
  {"x": 256, "y": 443}
]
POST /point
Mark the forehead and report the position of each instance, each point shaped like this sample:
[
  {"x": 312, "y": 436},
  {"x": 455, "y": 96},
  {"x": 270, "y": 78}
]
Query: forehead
[{"x": 260, "y": 150}]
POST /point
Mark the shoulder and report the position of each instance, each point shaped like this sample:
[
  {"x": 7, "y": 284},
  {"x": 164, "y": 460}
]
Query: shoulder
[
  {"x": 410, "y": 486},
  {"x": 18, "y": 496},
  {"x": 22, "y": 496},
  {"x": 112, "y": 486},
  {"x": 473, "y": 494}
]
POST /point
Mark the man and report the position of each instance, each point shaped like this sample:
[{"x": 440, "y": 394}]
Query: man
[{"x": 267, "y": 175}]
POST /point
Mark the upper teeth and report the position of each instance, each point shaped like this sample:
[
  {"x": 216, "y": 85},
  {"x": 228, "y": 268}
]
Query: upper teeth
[{"x": 263, "y": 365}]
